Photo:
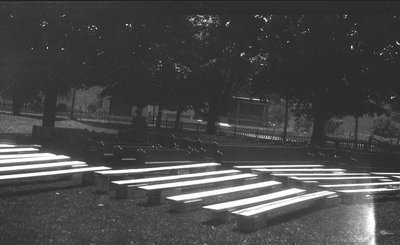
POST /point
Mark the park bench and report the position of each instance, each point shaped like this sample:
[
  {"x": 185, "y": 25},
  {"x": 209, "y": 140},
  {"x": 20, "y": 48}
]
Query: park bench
[
  {"x": 83, "y": 174},
  {"x": 304, "y": 181},
  {"x": 19, "y": 146},
  {"x": 250, "y": 167},
  {"x": 169, "y": 162},
  {"x": 220, "y": 211},
  {"x": 284, "y": 176},
  {"x": 360, "y": 185},
  {"x": 257, "y": 217},
  {"x": 14, "y": 150},
  {"x": 41, "y": 167},
  {"x": 284, "y": 163},
  {"x": 123, "y": 186},
  {"x": 266, "y": 172},
  {"x": 103, "y": 177},
  {"x": 356, "y": 195},
  {"x": 156, "y": 192},
  {"x": 386, "y": 173},
  {"x": 191, "y": 201},
  {"x": 22, "y": 161},
  {"x": 10, "y": 156}
]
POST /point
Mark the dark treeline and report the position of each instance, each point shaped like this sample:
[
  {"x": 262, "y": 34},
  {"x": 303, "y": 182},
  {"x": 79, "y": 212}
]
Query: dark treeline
[{"x": 326, "y": 65}]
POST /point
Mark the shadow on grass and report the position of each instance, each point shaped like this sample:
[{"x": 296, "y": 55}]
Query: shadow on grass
[
  {"x": 26, "y": 183},
  {"x": 213, "y": 222},
  {"x": 281, "y": 219},
  {"x": 38, "y": 190}
]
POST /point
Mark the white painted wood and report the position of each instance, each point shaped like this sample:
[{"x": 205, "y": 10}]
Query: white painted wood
[
  {"x": 19, "y": 161},
  {"x": 10, "y": 156},
  {"x": 385, "y": 173},
  {"x": 173, "y": 177},
  {"x": 51, "y": 173},
  {"x": 43, "y": 166},
  {"x": 155, "y": 169},
  {"x": 169, "y": 162},
  {"x": 361, "y": 185},
  {"x": 242, "y": 203},
  {"x": 333, "y": 174},
  {"x": 10, "y": 150},
  {"x": 6, "y": 146},
  {"x": 299, "y": 170},
  {"x": 259, "y": 209},
  {"x": 223, "y": 191},
  {"x": 278, "y": 166},
  {"x": 196, "y": 182},
  {"x": 370, "y": 190}
]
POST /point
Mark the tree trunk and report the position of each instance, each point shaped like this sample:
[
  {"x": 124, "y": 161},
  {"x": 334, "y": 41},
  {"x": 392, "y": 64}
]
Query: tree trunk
[
  {"x": 318, "y": 133},
  {"x": 212, "y": 118},
  {"x": 159, "y": 116},
  {"x": 177, "y": 118},
  {"x": 285, "y": 126},
  {"x": 17, "y": 105},
  {"x": 50, "y": 106}
]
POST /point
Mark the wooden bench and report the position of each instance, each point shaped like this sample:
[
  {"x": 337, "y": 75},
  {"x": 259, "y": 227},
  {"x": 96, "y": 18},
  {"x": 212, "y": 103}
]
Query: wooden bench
[
  {"x": 156, "y": 192},
  {"x": 265, "y": 173},
  {"x": 357, "y": 195},
  {"x": 386, "y": 173},
  {"x": 23, "y": 161},
  {"x": 284, "y": 177},
  {"x": 82, "y": 174},
  {"x": 123, "y": 187},
  {"x": 13, "y": 150},
  {"x": 220, "y": 211},
  {"x": 272, "y": 162},
  {"x": 41, "y": 167},
  {"x": 103, "y": 177},
  {"x": 186, "y": 202},
  {"x": 9, "y": 156},
  {"x": 360, "y": 185},
  {"x": 293, "y": 181},
  {"x": 7, "y": 145},
  {"x": 256, "y": 217},
  {"x": 249, "y": 167},
  {"x": 169, "y": 162}
]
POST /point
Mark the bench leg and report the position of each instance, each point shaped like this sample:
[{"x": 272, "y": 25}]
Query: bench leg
[
  {"x": 153, "y": 197},
  {"x": 88, "y": 179},
  {"x": 247, "y": 224},
  {"x": 102, "y": 183},
  {"x": 221, "y": 217},
  {"x": 78, "y": 177},
  {"x": 121, "y": 192}
]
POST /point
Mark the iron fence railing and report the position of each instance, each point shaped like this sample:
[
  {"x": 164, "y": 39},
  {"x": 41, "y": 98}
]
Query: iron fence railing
[{"x": 246, "y": 132}]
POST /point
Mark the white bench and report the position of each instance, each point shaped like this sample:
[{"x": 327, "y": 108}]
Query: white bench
[
  {"x": 220, "y": 211},
  {"x": 345, "y": 179},
  {"x": 250, "y": 167},
  {"x": 284, "y": 177},
  {"x": 82, "y": 174},
  {"x": 123, "y": 186},
  {"x": 103, "y": 177},
  {"x": 7, "y": 145},
  {"x": 156, "y": 192},
  {"x": 265, "y": 173},
  {"x": 9, "y": 156},
  {"x": 272, "y": 162},
  {"x": 13, "y": 150},
  {"x": 357, "y": 195},
  {"x": 254, "y": 218},
  {"x": 185, "y": 202},
  {"x": 168, "y": 162},
  {"x": 360, "y": 185},
  {"x": 22, "y": 161},
  {"x": 41, "y": 167}
]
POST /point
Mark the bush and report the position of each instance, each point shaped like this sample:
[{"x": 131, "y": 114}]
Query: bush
[
  {"x": 277, "y": 115},
  {"x": 332, "y": 126},
  {"x": 92, "y": 107},
  {"x": 302, "y": 124},
  {"x": 385, "y": 127}
]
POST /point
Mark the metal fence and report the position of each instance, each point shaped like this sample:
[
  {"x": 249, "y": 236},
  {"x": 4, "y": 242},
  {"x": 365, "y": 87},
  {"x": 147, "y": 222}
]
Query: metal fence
[{"x": 246, "y": 132}]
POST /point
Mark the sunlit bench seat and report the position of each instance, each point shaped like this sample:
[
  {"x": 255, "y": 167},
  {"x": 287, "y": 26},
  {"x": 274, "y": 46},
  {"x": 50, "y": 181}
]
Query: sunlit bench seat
[
  {"x": 155, "y": 193},
  {"x": 257, "y": 217},
  {"x": 103, "y": 177},
  {"x": 11, "y": 156},
  {"x": 83, "y": 174},
  {"x": 123, "y": 187},
  {"x": 41, "y": 167},
  {"x": 220, "y": 211},
  {"x": 14, "y": 150},
  {"x": 293, "y": 181},
  {"x": 195, "y": 200},
  {"x": 29, "y": 160}
]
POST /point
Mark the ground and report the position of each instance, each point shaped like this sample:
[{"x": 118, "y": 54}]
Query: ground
[{"x": 64, "y": 212}]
